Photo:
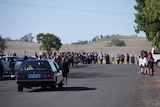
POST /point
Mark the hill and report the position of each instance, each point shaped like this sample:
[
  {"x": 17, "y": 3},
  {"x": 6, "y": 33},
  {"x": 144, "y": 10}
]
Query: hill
[{"x": 133, "y": 46}]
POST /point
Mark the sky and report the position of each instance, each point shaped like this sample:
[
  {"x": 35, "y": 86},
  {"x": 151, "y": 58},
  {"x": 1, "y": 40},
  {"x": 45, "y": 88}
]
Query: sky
[{"x": 70, "y": 20}]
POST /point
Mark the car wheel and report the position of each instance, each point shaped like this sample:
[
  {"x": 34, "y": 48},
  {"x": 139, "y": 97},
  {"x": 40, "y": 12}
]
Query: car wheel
[
  {"x": 53, "y": 86},
  {"x": 158, "y": 64},
  {"x": 43, "y": 87},
  {"x": 20, "y": 88},
  {"x": 60, "y": 85}
]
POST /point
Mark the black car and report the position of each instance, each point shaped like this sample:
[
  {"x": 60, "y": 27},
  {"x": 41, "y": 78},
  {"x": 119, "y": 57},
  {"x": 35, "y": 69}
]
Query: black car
[{"x": 35, "y": 73}]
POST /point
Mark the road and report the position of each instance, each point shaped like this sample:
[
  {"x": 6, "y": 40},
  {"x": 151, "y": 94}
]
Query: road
[{"x": 88, "y": 86}]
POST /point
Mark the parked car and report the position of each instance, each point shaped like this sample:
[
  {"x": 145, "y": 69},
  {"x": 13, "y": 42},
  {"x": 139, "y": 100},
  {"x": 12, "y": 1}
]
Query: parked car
[
  {"x": 39, "y": 73},
  {"x": 5, "y": 62},
  {"x": 156, "y": 56}
]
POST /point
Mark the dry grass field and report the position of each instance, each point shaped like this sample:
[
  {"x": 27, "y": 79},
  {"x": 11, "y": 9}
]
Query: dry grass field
[{"x": 133, "y": 46}]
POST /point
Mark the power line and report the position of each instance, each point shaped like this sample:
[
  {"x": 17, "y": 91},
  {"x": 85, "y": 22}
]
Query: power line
[{"x": 65, "y": 8}]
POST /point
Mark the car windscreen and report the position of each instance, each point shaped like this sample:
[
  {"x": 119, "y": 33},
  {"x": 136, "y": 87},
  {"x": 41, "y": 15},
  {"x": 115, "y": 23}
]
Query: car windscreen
[
  {"x": 156, "y": 51},
  {"x": 35, "y": 65}
]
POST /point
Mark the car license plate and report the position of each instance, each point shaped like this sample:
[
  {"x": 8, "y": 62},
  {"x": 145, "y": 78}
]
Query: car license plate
[{"x": 34, "y": 75}]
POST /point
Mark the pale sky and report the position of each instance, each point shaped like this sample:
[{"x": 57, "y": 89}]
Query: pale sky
[{"x": 70, "y": 20}]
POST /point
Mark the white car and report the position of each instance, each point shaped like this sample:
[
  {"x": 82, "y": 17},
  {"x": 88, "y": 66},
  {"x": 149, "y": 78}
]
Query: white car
[
  {"x": 5, "y": 62},
  {"x": 156, "y": 56}
]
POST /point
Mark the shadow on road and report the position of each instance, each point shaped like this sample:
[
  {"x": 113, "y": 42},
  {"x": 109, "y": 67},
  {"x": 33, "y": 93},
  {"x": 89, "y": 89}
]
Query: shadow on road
[
  {"x": 93, "y": 75},
  {"x": 64, "y": 89},
  {"x": 6, "y": 78}
]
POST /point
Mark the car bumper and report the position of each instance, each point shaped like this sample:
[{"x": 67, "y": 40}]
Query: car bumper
[{"x": 35, "y": 83}]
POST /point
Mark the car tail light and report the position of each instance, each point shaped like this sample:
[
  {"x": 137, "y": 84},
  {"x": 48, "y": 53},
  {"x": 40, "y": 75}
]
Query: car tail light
[
  {"x": 20, "y": 76},
  {"x": 47, "y": 76}
]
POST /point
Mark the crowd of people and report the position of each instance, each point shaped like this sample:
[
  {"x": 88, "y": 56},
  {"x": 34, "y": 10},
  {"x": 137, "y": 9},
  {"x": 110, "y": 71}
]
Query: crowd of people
[
  {"x": 145, "y": 60},
  {"x": 73, "y": 58},
  {"x": 146, "y": 63}
]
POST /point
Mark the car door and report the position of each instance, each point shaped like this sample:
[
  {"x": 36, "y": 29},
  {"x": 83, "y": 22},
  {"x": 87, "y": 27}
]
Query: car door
[
  {"x": 5, "y": 63},
  {"x": 57, "y": 72}
]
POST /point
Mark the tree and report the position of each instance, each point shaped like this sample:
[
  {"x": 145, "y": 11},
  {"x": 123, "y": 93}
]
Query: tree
[
  {"x": 27, "y": 38},
  {"x": 49, "y": 41},
  {"x": 139, "y": 16},
  {"x": 3, "y": 45},
  {"x": 152, "y": 12},
  {"x": 148, "y": 19}
]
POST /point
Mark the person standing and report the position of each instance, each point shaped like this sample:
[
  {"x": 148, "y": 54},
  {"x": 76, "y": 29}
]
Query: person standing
[
  {"x": 107, "y": 58},
  {"x": 146, "y": 69},
  {"x": 1, "y": 68},
  {"x": 141, "y": 65},
  {"x": 65, "y": 69},
  {"x": 150, "y": 63},
  {"x": 128, "y": 57},
  {"x": 12, "y": 66},
  {"x": 118, "y": 59},
  {"x": 133, "y": 59},
  {"x": 101, "y": 58}
]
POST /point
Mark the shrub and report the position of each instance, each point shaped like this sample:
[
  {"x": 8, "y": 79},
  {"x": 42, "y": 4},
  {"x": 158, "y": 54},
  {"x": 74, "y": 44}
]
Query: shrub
[{"x": 117, "y": 42}]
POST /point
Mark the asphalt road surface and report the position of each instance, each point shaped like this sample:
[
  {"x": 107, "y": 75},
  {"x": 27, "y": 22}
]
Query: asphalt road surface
[{"x": 88, "y": 86}]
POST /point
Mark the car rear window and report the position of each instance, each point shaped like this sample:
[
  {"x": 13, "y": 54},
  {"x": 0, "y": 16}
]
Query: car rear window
[{"x": 35, "y": 65}]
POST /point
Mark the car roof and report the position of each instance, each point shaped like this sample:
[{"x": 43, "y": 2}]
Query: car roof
[{"x": 39, "y": 60}]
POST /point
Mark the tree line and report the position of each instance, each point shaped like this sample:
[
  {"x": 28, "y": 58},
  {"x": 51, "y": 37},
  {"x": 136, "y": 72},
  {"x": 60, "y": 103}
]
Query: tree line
[{"x": 48, "y": 42}]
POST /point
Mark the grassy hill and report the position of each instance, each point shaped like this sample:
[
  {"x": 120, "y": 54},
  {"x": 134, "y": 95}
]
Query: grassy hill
[{"x": 133, "y": 46}]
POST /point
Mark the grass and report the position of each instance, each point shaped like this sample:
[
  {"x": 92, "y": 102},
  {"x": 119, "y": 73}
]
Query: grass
[{"x": 133, "y": 46}]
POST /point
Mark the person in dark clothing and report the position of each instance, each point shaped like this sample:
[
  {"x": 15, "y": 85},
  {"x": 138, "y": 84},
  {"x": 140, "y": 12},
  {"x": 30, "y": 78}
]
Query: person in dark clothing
[
  {"x": 12, "y": 65},
  {"x": 65, "y": 69},
  {"x": 25, "y": 57},
  {"x": 133, "y": 59},
  {"x": 107, "y": 59},
  {"x": 128, "y": 57},
  {"x": 1, "y": 69}
]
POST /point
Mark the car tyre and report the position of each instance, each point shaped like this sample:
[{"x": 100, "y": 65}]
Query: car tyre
[
  {"x": 44, "y": 87},
  {"x": 158, "y": 63},
  {"x": 60, "y": 85},
  {"x": 53, "y": 86},
  {"x": 20, "y": 88}
]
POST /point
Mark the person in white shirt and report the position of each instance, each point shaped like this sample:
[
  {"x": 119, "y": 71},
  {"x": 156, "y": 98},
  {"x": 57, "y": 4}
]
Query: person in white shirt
[
  {"x": 140, "y": 62},
  {"x": 145, "y": 65}
]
